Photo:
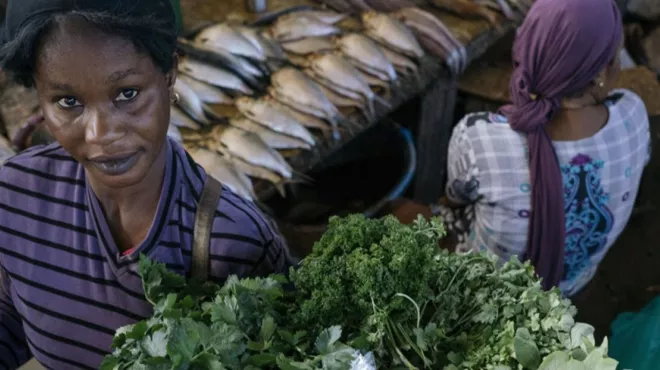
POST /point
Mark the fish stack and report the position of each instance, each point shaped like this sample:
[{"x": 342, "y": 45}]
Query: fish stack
[
  {"x": 486, "y": 9},
  {"x": 306, "y": 32},
  {"x": 244, "y": 145},
  {"x": 482, "y": 9},
  {"x": 248, "y": 52},
  {"x": 435, "y": 37},
  {"x": 278, "y": 105}
]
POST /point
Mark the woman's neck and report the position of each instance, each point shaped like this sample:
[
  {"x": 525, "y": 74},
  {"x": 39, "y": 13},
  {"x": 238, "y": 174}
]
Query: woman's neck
[
  {"x": 130, "y": 211},
  {"x": 577, "y": 124}
]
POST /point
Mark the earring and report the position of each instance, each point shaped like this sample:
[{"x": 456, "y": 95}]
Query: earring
[
  {"x": 601, "y": 84},
  {"x": 174, "y": 98}
]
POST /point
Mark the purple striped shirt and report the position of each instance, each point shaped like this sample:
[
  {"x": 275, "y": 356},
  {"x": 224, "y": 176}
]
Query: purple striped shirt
[{"x": 64, "y": 285}]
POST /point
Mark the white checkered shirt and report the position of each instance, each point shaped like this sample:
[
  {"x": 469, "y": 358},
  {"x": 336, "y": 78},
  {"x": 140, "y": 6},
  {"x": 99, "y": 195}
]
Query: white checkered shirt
[{"x": 488, "y": 170}]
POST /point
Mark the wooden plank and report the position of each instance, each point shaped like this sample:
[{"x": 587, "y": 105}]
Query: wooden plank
[{"x": 434, "y": 132}]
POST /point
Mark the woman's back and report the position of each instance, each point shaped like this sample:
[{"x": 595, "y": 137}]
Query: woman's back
[{"x": 489, "y": 164}]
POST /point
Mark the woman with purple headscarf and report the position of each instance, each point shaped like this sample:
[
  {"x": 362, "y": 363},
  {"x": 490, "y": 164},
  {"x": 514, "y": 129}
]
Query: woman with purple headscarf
[{"x": 552, "y": 178}]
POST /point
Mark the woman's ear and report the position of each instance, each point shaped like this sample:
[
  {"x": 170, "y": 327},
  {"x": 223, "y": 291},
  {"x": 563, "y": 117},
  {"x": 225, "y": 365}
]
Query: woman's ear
[{"x": 172, "y": 74}]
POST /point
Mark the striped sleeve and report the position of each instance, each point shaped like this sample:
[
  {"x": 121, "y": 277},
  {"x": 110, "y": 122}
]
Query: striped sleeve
[
  {"x": 246, "y": 242},
  {"x": 275, "y": 258},
  {"x": 13, "y": 347}
]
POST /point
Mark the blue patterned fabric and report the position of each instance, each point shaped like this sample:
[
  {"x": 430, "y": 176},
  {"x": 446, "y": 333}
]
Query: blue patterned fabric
[{"x": 588, "y": 217}]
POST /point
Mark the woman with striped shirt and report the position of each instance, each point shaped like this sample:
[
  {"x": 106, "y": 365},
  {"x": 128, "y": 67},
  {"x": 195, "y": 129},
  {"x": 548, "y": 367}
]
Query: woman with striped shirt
[{"x": 75, "y": 215}]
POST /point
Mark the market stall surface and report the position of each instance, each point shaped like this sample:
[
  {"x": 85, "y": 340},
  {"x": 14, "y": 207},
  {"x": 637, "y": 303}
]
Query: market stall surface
[{"x": 436, "y": 90}]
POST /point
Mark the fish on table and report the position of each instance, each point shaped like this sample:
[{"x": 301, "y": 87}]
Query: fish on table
[
  {"x": 273, "y": 139},
  {"x": 293, "y": 88},
  {"x": 338, "y": 74},
  {"x": 391, "y": 33},
  {"x": 249, "y": 147},
  {"x": 213, "y": 75},
  {"x": 207, "y": 93},
  {"x": 223, "y": 170},
  {"x": 224, "y": 36},
  {"x": 291, "y": 27},
  {"x": 266, "y": 112},
  {"x": 367, "y": 56}
]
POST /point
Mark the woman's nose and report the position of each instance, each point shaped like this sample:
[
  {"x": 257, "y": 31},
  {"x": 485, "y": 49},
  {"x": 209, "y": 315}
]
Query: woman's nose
[{"x": 102, "y": 127}]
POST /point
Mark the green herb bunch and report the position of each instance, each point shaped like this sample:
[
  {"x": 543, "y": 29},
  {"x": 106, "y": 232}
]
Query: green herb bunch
[
  {"x": 395, "y": 293},
  {"x": 376, "y": 285},
  {"x": 363, "y": 272},
  {"x": 206, "y": 327}
]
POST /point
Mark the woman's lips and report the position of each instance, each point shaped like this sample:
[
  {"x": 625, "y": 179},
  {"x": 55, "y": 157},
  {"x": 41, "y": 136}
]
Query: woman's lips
[{"x": 115, "y": 165}]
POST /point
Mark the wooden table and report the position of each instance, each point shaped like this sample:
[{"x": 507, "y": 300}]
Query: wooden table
[{"x": 437, "y": 92}]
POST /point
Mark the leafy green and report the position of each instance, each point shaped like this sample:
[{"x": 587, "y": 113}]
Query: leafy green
[
  {"x": 369, "y": 287},
  {"x": 204, "y": 326},
  {"x": 396, "y": 294}
]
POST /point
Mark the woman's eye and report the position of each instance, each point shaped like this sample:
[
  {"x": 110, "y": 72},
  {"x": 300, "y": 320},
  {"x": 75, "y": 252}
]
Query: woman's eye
[
  {"x": 127, "y": 94},
  {"x": 68, "y": 102}
]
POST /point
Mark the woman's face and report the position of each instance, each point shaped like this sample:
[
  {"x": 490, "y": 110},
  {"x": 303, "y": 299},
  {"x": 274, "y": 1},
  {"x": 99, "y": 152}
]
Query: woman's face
[{"x": 105, "y": 102}]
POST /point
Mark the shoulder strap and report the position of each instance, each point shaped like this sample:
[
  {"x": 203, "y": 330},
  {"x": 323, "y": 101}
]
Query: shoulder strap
[{"x": 208, "y": 202}]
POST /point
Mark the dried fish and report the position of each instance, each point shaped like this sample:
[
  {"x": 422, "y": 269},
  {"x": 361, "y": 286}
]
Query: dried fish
[
  {"x": 296, "y": 28},
  {"x": 220, "y": 57},
  {"x": 274, "y": 50},
  {"x": 250, "y": 148},
  {"x": 179, "y": 119},
  {"x": 499, "y": 5},
  {"x": 270, "y": 115},
  {"x": 337, "y": 88},
  {"x": 297, "y": 60},
  {"x": 377, "y": 82},
  {"x": 467, "y": 9},
  {"x": 342, "y": 6},
  {"x": 173, "y": 133},
  {"x": 387, "y": 6},
  {"x": 213, "y": 75},
  {"x": 306, "y": 120},
  {"x": 293, "y": 88},
  {"x": 260, "y": 173},
  {"x": 190, "y": 102},
  {"x": 265, "y": 45},
  {"x": 272, "y": 138},
  {"x": 252, "y": 69},
  {"x": 308, "y": 45},
  {"x": 402, "y": 63},
  {"x": 391, "y": 33},
  {"x": 252, "y": 35},
  {"x": 207, "y": 93},
  {"x": 360, "y": 5},
  {"x": 428, "y": 25},
  {"x": 333, "y": 70},
  {"x": 324, "y": 16},
  {"x": 223, "y": 36},
  {"x": 507, "y": 10},
  {"x": 223, "y": 170},
  {"x": 523, "y": 6},
  {"x": 344, "y": 102},
  {"x": 367, "y": 56}
]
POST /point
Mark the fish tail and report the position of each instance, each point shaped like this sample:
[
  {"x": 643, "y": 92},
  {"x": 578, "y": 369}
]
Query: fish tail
[
  {"x": 301, "y": 178},
  {"x": 382, "y": 101},
  {"x": 281, "y": 189}
]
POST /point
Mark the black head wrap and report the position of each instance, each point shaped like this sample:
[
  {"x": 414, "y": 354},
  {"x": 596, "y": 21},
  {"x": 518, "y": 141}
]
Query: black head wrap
[{"x": 19, "y": 12}]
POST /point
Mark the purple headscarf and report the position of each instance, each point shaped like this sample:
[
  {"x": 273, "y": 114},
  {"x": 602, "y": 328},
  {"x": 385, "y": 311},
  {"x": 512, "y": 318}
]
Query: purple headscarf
[{"x": 559, "y": 50}]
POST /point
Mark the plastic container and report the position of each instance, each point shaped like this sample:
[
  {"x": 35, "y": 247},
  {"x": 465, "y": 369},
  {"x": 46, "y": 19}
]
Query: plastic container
[{"x": 635, "y": 340}]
